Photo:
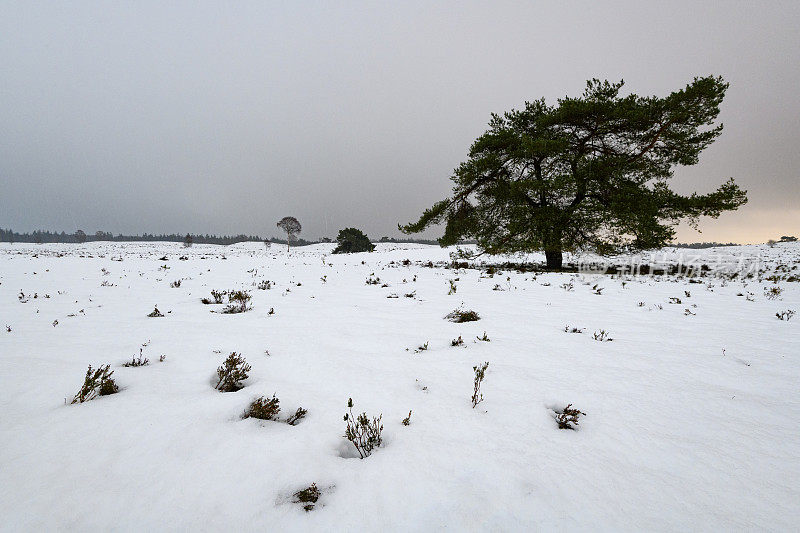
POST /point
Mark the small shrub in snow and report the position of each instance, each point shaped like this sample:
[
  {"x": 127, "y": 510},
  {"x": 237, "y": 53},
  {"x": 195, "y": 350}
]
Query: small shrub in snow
[
  {"x": 373, "y": 280},
  {"x": 263, "y": 408},
  {"x": 783, "y": 315},
  {"x": 137, "y": 361},
  {"x": 162, "y": 358},
  {"x": 674, "y": 300},
  {"x": 231, "y": 373},
  {"x": 480, "y": 373},
  {"x": 175, "y": 284},
  {"x": 239, "y": 302},
  {"x": 8, "y": 328},
  {"x": 407, "y": 420},
  {"x": 460, "y": 316},
  {"x": 216, "y": 297},
  {"x": 773, "y": 293},
  {"x": 156, "y": 313},
  {"x": 573, "y": 329},
  {"x": 421, "y": 348},
  {"x": 297, "y": 416},
  {"x": 308, "y": 496},
  {"x": 602, "y": 336},
  {"x": 264, "y": 285},
  {"x": 457, "y": 342},
  {"x": 96, "y": 383},
  {"x": 568, "y": 417},
  {"x": 485, "y": 338},
  {"x": 570, "y": 286},
  {"x": 453, "y": 287},
  {"x": 365, "y": 434}
]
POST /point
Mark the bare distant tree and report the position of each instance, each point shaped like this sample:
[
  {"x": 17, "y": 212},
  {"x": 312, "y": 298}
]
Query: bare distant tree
[
  {"x": 80, "y": 236},
  {"x": 187, "y": 241},
  {"x": 292, "y": 228}
]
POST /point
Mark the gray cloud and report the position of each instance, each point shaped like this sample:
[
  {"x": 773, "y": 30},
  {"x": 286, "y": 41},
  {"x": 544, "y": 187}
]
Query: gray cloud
[{"x": 223, "y": 118}]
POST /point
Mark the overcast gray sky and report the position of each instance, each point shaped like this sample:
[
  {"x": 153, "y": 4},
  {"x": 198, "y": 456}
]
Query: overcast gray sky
[{"x": 224, "y": 117}]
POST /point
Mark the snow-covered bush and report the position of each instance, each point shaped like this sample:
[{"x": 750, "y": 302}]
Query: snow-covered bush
[
  {"x": 602, "y": 336},
  {"x": 239, "y": 302},
  {"x": 263, "y": 408},
  {"x": 231, "y": 373},
  {"x": 137, "y": 361},
  {"x": 568, "y": 417},
  {"x": 453, "y": 287},
  {"x": 308, "y": 496},
  {"x": 297, "y": 416},
  {"x": 365, "y": 434},
  {"x": 773, "y": 293},
  {"x": 156, "y": 313},
  {"x": 216, "y": 297},
  {"x": 480, "y": 373},
  {"x": 97, "y": 382},
  {"x": 783, "y": 315},
  {"x": 460, "y": 315}
]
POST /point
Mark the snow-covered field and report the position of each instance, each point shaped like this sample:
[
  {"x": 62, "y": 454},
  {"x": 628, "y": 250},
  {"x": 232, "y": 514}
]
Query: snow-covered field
[{"x": 692, "y": 410}]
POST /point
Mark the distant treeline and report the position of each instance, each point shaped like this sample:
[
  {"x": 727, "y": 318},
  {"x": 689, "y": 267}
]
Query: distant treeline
[
  {"x": 702, "y": 244},
  {"x": 41, "y": 236}
]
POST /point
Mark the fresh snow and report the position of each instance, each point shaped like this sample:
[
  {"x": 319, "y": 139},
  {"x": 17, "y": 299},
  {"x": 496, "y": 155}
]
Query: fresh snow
[{"x": 692, "y": 419}]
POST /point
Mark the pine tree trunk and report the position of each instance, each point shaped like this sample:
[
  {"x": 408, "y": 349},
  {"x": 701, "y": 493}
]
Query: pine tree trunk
[{"x": 554, "y": 259}]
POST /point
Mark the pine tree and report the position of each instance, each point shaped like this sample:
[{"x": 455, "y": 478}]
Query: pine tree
[{"x": 587, "y": 174}]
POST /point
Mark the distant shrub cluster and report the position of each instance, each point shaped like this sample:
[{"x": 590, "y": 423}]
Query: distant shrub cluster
[
  {"x": 216, "y": 297},
  {"x": 238, "y": 301}
]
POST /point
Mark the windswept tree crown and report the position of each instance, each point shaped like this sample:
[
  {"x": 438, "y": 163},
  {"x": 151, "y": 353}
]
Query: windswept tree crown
[{"x": 589, "y": 173}]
